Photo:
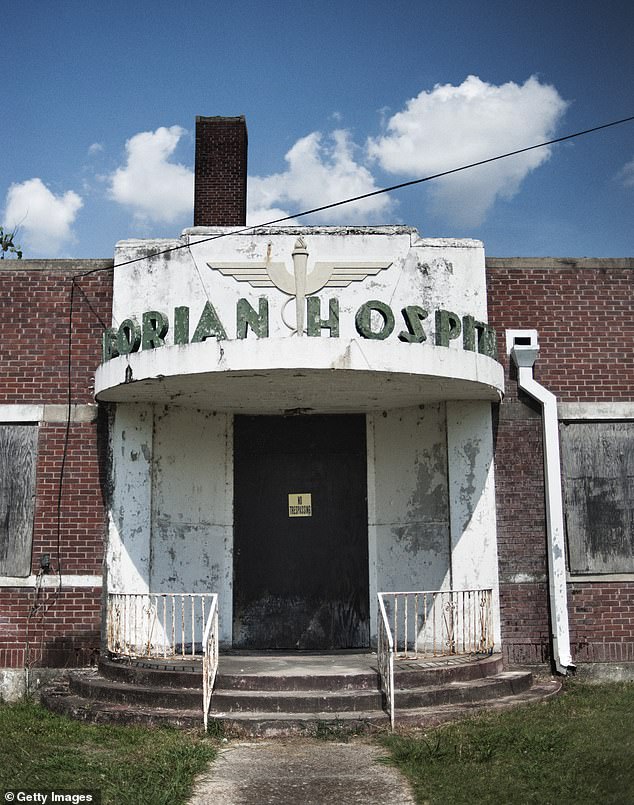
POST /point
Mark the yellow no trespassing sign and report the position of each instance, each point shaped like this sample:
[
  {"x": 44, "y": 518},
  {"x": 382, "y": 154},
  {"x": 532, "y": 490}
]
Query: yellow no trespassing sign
[{"x": 300, "y": 504}]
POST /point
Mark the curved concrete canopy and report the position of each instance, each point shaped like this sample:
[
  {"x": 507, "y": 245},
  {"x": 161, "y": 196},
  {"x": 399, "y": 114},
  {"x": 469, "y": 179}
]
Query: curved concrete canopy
[{"x": 277, "y": 375}]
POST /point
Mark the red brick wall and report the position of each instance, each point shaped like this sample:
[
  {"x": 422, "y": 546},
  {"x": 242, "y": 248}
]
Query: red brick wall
[
  {"x": 34, "y": 307},
  {"x": 602, "y": 621},
  {"x": 50, "y": 628},
  {"x": 521, "y": 540},
  {"x": 82, "y": 510},
  {"x": 582, "y": 310}
]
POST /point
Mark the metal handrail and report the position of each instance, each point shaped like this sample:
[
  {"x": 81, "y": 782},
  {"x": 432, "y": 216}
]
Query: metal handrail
[
  {"x": 431, "y": 623},
  {"x": 166, "y": 625},
  {"x": 385, "y": 658},
  {"x": 210, "y": 657}
]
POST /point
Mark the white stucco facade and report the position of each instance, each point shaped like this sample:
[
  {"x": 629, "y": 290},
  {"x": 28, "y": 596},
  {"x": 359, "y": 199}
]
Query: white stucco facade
[{"x": 209, "y": 331}]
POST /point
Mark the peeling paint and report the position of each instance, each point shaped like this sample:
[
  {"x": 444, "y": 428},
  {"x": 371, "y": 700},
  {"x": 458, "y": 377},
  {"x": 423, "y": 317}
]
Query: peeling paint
[
  {"x": 422, "y": 538},
  {"x": 468, "y": 498}
]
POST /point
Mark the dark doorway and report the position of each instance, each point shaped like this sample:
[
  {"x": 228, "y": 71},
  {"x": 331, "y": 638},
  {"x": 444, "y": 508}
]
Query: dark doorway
[{"x": 301, "y": 535}]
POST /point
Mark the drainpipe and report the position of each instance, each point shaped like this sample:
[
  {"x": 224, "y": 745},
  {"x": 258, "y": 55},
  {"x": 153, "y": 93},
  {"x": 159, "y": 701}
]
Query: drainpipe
[{"x": 524, "y": 351}]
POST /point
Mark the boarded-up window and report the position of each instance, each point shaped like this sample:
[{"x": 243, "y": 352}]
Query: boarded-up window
[
  {"x": 598, "y": 470},
  {"x": 18, "y": 451}
]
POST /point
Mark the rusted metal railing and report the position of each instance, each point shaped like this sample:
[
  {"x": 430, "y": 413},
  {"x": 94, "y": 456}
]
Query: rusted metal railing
[
  {"x": 385, "y": 658},
  {"x": 210, "y": 656},
  {"x": 164, "y": 625},
  {"x": 427, "y": 624}
]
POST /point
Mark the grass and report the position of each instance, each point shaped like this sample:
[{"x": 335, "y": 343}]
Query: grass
[
  {"x": 128, "y": 765},
  {"x": 575, "y": 748}
]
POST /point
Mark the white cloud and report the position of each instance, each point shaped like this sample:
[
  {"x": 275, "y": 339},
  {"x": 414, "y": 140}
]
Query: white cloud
[
  {"x": 450, "y": 126},
  {"x": 152, "y": 186},
  {"x": 626, "y": 174},
  {"x": 263, "y": 215},
  {"x": 43, "y": 219},
  {"x": 320, "y": 171},
  {"x": 95, "y": 148}
]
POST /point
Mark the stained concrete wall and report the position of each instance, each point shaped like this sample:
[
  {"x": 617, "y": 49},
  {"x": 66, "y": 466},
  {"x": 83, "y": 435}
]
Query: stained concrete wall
[
  {"x": 408, "y": 501},
  {"x": 192, "y": 506},
  {"x": 474, "y": 559},
  {"x": 431, "y": 500},
  {"x": 171, "y": 521},
  {"x": 130, "y": 516}
]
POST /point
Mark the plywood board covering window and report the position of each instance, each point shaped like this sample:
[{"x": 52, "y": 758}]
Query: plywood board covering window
[
  {"x": 598, "y": 477},
  {"x": 18, "y": 451}
]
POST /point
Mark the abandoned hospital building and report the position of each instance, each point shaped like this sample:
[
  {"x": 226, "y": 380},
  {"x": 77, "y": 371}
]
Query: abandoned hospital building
[{"x": 311, "y": 442}]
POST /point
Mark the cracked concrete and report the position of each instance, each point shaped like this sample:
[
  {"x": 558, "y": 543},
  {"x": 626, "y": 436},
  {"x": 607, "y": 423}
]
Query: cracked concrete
[{"x": 307, "y": 772}]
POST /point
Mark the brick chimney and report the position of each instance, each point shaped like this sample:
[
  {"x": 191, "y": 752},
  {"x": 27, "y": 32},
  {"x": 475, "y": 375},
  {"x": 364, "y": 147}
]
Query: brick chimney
[{"x": 220, "y": 185}]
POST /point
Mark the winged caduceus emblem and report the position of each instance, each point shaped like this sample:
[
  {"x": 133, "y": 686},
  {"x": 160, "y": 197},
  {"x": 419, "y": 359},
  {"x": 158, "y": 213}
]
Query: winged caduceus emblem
[{"x": 300, "y": 282}]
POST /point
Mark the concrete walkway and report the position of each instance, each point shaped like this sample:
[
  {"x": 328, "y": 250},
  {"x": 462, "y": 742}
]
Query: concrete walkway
[{"x": 301, "y": 772}]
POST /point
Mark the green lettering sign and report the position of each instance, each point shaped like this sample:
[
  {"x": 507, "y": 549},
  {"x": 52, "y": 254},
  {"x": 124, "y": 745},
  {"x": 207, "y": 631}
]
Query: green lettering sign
[
  {"x": 448, "y": 327},
  {"x": 247, "y": 317},
  {"x": 315, "y": 324},
  {"x": 414, "y": 317},
  {"x": 128, "y": 337},
  {"x": 154, "y": 329},
  {"x": 209, "y": 325},
  {"x": 181, "y": 325},
  {"x": 363, "y": 320}
]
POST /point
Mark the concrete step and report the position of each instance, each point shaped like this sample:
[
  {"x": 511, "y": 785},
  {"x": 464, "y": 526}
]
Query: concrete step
[
  {"x": 260, "y": 672},
  {"x": 412, "y": 673},
  {"x": 432, "y": 716},
  {"x": 325, "y": 725},
  {"x": 271, "y": 724},
  {"x": 91, "y": 685},
  {"x": 276, "y": 694},
  {"x": 180, "y": 673},
  {"x": 302, "y": 701},
  {"x": 472, "y": 690},
  {"x": 298, "y": 671},
  {"x": 59, "y": 699},
  {"x": 298, "y": 682}
]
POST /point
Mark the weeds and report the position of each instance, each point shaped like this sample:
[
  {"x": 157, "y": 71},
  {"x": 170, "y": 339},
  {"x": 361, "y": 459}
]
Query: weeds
[{"x": 576, "y": 748}]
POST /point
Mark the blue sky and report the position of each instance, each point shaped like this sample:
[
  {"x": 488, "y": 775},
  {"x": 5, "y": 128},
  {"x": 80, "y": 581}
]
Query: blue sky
[{"x": 100, "y": 100}]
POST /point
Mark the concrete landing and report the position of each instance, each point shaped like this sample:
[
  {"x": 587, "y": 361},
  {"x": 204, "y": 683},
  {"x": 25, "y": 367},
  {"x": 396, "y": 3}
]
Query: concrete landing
[
  {"x": 297, "y": 664},
  {"x": 306, "y": 772}
]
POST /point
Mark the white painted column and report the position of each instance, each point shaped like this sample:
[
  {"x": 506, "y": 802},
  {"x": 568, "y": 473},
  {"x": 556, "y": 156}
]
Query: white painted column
[
  {"x": 192, "y": 506},
  {"x": 130, "y": 516},
  {"x": 474, "y": 559},
  {"x": 408, "y": 501}
]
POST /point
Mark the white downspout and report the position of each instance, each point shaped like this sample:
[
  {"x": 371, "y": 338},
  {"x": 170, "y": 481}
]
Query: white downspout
[{"x": 524, "y": 356}]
